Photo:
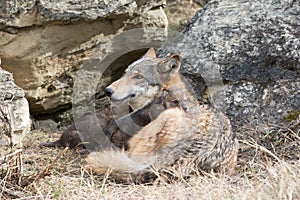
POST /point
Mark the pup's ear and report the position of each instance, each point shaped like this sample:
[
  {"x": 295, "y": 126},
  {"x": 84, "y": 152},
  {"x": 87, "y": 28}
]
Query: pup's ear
[
  {"x": 150, "y": 53},
  {"x": 170, "y": 65}
]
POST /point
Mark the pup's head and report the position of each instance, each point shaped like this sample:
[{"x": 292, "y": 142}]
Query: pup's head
[{"x": 144, "y": 79}]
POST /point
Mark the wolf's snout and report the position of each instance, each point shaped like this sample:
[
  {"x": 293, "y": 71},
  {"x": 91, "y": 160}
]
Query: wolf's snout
[{"x": 109, "y": 91}]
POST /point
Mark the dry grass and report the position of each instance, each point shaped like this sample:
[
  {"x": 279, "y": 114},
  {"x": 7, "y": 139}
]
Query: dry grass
[
  {"x": 180, "y": 13},
  {"x": 259, "y": 176}
]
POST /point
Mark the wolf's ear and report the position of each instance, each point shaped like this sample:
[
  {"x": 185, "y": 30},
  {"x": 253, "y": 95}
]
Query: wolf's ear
[
  {"x": 170, "y": 65},
  {"x": 150, "y": 53}
]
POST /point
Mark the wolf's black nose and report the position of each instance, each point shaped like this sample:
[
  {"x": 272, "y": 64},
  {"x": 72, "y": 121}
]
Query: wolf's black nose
[{"x": 109, "y": 91}]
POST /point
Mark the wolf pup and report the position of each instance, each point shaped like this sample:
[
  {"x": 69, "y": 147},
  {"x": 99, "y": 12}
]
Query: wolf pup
[
  {"x": 184, "y": 137},
  {"x": 71, "y": 136},
  {"x": 118, "y": 131}
]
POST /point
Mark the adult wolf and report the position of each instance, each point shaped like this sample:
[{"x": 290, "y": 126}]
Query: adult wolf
[{"x": 186, "y": 136}]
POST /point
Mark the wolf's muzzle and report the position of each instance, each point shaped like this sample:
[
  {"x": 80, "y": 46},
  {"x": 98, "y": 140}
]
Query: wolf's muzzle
[{"x": 109, "y": 91}]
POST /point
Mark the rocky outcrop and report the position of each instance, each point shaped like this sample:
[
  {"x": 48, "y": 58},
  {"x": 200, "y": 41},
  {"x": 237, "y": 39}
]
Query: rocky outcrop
[
  {"x": 244, "y": 55},
  {"x": 247, "y": 56},
  {"x": 44, "y": 43},
  {"x": 14, "y": 111}
]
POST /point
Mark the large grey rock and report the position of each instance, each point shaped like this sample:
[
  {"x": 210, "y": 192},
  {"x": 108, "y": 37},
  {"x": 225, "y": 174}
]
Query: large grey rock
[
  {"x": 44, "y": 43},
  {"x": 14, "y": 111},
  {"x": 247, "y": 54}
]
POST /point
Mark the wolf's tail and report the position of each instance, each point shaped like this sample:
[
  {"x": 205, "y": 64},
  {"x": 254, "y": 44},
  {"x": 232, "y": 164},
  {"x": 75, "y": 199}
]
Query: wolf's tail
[{"x": 116, "y": 161}]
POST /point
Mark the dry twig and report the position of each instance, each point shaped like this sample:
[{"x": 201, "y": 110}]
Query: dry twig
[
  {"x": 46, "y": 171},
  {"x": 257, "y": 146}
]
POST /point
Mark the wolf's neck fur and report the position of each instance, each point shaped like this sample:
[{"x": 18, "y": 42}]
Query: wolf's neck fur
[{"x": 186, "y": 99}]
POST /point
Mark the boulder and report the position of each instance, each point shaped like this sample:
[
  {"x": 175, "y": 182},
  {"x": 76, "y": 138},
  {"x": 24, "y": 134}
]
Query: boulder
[
  {"x": 246, "y": 56},
  {"x": 14, "y": 111},
  {"x": 44, "y": 43}
]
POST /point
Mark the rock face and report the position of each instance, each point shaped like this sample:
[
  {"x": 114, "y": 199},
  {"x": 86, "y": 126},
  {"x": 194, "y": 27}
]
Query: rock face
[
  {"x": 43, "y": 43},
  {"x": 14, "y": 111},
  {"x": 247, "y": 54}
]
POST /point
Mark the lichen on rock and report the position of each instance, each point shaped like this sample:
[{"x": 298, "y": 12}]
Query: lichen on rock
[{"x": 247, "y": 56}]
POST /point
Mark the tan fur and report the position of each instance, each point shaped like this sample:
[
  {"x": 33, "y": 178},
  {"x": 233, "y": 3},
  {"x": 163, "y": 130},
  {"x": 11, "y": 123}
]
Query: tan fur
[{"x": 185, "y": 137}]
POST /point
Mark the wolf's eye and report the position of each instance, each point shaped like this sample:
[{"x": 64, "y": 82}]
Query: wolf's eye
[{"x": 138, "y": 77}]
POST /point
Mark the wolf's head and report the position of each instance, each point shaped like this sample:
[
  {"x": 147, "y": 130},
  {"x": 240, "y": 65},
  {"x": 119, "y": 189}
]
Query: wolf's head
[{"x": 144, "y": 79}]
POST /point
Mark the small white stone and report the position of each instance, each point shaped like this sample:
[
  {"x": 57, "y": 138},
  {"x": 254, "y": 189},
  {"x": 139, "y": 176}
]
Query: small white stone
[{"x": 265, "y": 93}]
